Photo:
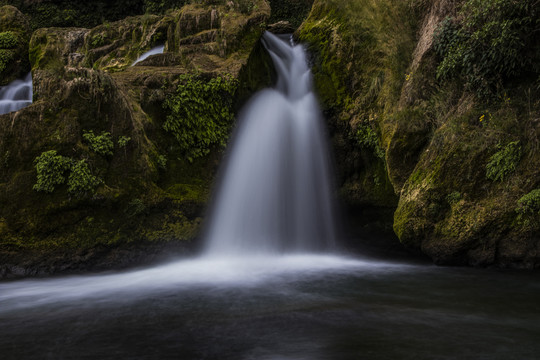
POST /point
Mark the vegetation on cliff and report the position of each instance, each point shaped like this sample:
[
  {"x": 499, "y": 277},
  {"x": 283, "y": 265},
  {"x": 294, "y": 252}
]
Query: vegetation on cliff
[
  {"x": 451, "y": 89},
  {"x": 110, "y": 154}
]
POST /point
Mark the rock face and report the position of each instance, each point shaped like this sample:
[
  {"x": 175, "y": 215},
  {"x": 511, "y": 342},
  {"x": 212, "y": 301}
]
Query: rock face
[
  {"x": 90, "y": 166},
  {"x": 461, "y": 168},
  {"x": 14, "y": 36}
]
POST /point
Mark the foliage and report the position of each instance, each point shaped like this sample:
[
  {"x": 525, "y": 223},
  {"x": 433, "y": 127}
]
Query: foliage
[
  {"x": 488, "y": 43},
  {"x": 51, "y": 170},
  {"x": 504, "y": 162},
  {"x": 8, "y": 40},
  {"x": 81, "y": 181},
  {"x": 530, "y": 203},
  {"x": 98, "y": 40},
  {"x": 453, "y": 197},
  {"x": 101, "y": 144},
  {"x": 135, "y": 207},
  {"x": 162, "y": 161},
  {"x": 123, "y": 141},
  {"x": 200, "y": 113},
  {"x": 368, "y": 139}
]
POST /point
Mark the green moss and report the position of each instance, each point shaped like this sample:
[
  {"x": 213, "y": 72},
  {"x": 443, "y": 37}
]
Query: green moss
[
  {"x": 8, "y": 40},
  {"x": 6, "y": 57}
]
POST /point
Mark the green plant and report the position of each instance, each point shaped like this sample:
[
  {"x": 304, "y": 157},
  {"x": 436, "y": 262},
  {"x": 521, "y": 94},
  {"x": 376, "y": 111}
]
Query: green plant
[
  {"x": 504, "y": 162},
  {"x": 101, "y": 144},
  {"x": 51, "y": 170},
  {"x": 488, "y": 43},
  {"x": 98, "y": 40},
  {"x": 200, "y": 113},
  {"x": 123, "y": 141},
  {"x": 81, "y": 181},
  {"x": 367, "y": 138},
  {"x": 453, "y": 197},
  {"x": 162, "y": 161},
  {"x": 529, "y": 203},
  {"x": 8, "y": 40},
  {"x": 135, "y": 207}
]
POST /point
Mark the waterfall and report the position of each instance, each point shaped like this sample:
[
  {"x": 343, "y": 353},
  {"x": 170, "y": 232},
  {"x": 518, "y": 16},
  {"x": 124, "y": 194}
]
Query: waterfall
[
  {"x": 275, "y": 195},
  {"x": 16, "y": 95},
  {"x": 155, "y": 50}
]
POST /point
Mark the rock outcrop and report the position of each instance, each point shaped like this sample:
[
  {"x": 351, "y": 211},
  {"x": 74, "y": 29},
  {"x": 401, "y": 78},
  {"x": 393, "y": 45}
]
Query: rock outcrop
[
  {"x": 90, "y": 167},
  {"x": 14, "y": 36},
  {"x": 462, "y": 169}
]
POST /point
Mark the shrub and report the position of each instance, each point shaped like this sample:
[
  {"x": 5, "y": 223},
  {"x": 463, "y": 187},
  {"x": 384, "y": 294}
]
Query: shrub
[
  {"x": 504, "y": 162},
  {"x": 490, "y": 42},
  {"x": 123, "y": 141},
  {"x": 101, "y": 144},
  {"x": 367, "y": 138},
  {"x": 8, "y": 40},
  {"x": 453, "y": 198},
  {"x": 529, "y": 203},
  {"x": 135, "y": 207},
  {"x": 51, "y": 170},
  {"x": 162, "y": 161},
  {"x": 81, "y": 181},
  {"x": 200, "y": 113}
]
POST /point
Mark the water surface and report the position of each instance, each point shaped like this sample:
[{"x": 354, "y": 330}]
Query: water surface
[{"x": 292, "y": 307}]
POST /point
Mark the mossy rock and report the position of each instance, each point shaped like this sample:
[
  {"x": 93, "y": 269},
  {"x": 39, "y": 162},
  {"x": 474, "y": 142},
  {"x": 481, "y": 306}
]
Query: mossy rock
[
  {"x": 14, "y": 37},
  {"x": 82, "y": 84}
]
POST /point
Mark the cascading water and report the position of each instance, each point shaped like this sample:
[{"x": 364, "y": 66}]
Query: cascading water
[
  {"x": 276, "y": 193},
  {"x": 17, "y": 95},
  {"x": 155, "y": 50}
]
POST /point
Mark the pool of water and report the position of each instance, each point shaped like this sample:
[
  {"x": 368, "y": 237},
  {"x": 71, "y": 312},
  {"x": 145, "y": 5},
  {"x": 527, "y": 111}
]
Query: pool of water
[{"x": 293, "y": 307}]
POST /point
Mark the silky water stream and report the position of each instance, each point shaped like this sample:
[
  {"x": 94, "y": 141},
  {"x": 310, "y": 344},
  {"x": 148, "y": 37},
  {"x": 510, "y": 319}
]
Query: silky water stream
[
  {"x": 16, "y": 95},
  {"x": 271, "y": 282}
]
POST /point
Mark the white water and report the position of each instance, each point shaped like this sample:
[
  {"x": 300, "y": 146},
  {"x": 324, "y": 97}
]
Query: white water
[
  {"x": 276, "y": 195},
  {"x": 17, "y": 95},
  {"x": 273, "y": 211},
  {"x": 155, "y": 50}
]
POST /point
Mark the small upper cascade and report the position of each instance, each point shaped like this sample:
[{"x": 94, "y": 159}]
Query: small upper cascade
[
  {"x": 155, "y": 50},
  {"x": 276, "y": 194},
  {"x": 17, "y": 95}
]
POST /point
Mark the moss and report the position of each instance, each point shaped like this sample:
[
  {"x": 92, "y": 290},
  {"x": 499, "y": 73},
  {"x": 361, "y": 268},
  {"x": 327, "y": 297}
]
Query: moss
[
  {"x": 14, "y": 36},
  {"x": 8, "y": 40},
  {"x": 6, "y": 57}
]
